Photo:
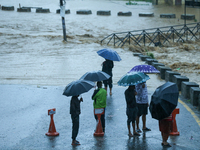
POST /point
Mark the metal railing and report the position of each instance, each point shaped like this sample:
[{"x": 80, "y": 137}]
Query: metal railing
[{"x": 156, "y": 36}]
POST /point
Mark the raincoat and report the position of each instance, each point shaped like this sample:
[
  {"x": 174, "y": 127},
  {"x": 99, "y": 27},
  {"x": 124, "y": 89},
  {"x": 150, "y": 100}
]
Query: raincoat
[{"x": 99, "y": 98}]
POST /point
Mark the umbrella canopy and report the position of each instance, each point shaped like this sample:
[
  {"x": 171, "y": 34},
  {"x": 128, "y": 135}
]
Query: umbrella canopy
[
  {"x": 164, "y": 100},
  {"x": 109, "y": 54},
  {"x": 144, "y": 69},
  {"x": 78, "y": 87},
  {"x": 95, "y": 76},
  {"x": 133, "y": 78}
]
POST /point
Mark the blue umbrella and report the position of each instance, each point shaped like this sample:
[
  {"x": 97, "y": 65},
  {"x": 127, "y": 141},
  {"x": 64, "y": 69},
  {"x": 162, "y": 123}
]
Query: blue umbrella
[
  {"x": 109, "y": 54},
  {"x": 133, "y": 78},
  {"x": 95, "y": 76},
  {"x": 144, "y": 69},
  {"x": 78, "y": 87}
]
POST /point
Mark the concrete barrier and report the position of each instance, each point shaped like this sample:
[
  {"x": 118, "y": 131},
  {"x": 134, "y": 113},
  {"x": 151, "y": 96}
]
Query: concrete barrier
[
  {"x": 162, "y": 70},
  {"x": 150, "y": 60},
  {"x": 170, "y": 74},
  {"x": 124, "y": 13},
  {"x": 104, "y": 12},
  {"x": 42, "y": 10},
  {"x": 8, "y": 8},
  {"x": 144, "y": 57},
  {"x": 23, "y": 9},
  {"x": 67, "y": 11},
  {"x": 185, "y": 88},
  {"x": 156, "y": 64},
  {"x": 137, "y": 54},
  {"x": 84, "y": 12},
  {"x": 146, "y": 14},
  {"x": 194, "y": 95},
  {"x": 167, "y": 15},
  {"x": 188, "y": 16},
  {"x": 178, "y": 79},
  {"x": 31, "y": 7}
]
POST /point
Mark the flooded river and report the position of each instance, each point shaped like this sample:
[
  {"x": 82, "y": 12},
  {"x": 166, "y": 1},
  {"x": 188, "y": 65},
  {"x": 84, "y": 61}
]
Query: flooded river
[{"x": 32, "y": 50}]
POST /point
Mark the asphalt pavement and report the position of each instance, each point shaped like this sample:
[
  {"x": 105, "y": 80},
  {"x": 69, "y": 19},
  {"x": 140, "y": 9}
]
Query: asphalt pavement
[{"x": 24, "y": 122}]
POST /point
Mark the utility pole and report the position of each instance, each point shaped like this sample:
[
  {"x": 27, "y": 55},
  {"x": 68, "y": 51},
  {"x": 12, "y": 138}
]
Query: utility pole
[{"x": 62, "y": 14}]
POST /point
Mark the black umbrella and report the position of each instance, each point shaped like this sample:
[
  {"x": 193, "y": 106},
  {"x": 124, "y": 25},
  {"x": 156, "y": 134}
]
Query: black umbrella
[
  {"x": 78, "y": 87},
  {"x": 95, "y": 76},
  {"x": 164, "y": 100}
]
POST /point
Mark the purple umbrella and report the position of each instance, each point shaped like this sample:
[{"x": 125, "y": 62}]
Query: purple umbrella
[{"x": 144, "y": 69}]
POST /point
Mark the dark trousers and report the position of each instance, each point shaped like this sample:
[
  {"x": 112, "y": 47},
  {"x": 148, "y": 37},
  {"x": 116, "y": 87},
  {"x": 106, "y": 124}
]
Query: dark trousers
[
  {"x": 102, "y": 120},
  {"x": 108, "y": 82},
  {"x": 75, "y": 126}
]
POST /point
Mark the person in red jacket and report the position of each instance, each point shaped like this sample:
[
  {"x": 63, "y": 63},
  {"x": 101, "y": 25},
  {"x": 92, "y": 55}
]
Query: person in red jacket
[{"x": 165, "y": 128}]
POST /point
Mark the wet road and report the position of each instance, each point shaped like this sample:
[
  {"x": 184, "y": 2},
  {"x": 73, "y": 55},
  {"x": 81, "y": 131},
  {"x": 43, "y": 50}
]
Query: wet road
[
  {"x": 34, "y": 54},
  {"x": 25, "y": 121}
]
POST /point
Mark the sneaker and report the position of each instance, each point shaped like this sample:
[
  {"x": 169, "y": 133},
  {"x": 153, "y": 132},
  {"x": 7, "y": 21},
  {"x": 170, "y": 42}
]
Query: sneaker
[
  {"x": 75, "y": 143},
  {"x": 146, "y": 129},
  {"x": 138, "y": 130}
]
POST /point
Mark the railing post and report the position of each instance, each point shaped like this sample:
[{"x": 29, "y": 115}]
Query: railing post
[
  {"x": 186, "y": 33},
  {"x": 172, "y": 33},
  {"x": 198, "y": 27},
  {"x": 158, "y": 35},
  {"x": 144, "y": 37},
  {"x": 114, "y": 40}
]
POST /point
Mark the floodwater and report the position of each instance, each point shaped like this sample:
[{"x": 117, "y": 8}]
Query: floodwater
[{"x": 32, "y": 50}]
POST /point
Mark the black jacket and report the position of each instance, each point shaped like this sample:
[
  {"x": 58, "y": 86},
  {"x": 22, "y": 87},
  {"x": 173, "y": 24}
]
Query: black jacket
[
  {"x": 130, "y": 98},
  {"x": 75, "y": 106},
  {"x": 107, "y": 67}
]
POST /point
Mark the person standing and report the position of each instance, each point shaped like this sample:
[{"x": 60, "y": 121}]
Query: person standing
[
  {"x": 165, "y": 128},
  {"x": 75, "y": 111},
  {"x": 131, "y": 109},
  {"x": 99, "y": 97},
  {"x": 142, "y": 104},
  {"x": 107, "y": 66}
]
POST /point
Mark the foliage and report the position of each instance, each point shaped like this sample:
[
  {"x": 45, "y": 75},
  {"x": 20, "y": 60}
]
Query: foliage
[{"x": 150, "y": 54}]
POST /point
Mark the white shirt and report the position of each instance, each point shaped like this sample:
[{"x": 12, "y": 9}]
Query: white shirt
[{"x": 142, "y": 94}]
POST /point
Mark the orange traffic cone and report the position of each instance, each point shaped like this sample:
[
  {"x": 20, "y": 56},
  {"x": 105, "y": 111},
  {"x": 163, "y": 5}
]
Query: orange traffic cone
[
  {"x": 174, "y": 130},
  {"x": 99, "y": 130},
  {"x": 52, "y": 128}
]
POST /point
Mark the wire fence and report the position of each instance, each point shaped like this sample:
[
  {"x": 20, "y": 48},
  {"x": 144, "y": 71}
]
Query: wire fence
[{"x": 155, "y": 36}]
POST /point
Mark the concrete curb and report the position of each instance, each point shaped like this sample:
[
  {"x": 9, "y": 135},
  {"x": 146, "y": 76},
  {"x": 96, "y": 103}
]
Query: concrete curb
[
  {"x": 189, "y": 90},
  {"x": 104, "y": 12},
  {"x": 8, "y": 8},
  {"x": 67, "y": 11},
  {"x": 42, "y": 10},
  {"x": 84, "y": 12},
  {"x": 167, "y": 15},
  {"x": 124, "y": 13},
  {"x": 178, "y": 79},
  {"x": 169, "y": 75}
]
